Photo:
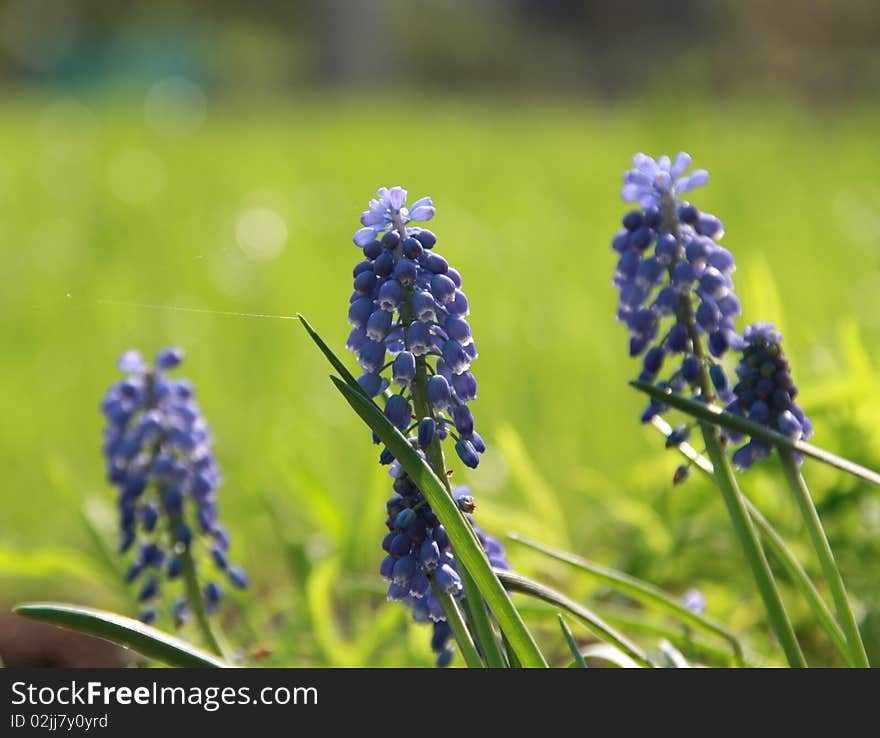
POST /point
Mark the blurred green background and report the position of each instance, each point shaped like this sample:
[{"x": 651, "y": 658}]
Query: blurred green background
[{"x": 203, "y": 156}]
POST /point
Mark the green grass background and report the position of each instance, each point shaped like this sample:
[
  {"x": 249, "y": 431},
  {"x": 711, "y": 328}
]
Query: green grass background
[{"x": 527, "y": 199}]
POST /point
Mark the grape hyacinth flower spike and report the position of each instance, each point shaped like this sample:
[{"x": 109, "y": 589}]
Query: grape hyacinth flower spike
[
  {"x": 678, "y": 302},
  {"x": 157, "y": 449},
  {"x": 765, "y": 393},
  {"x": 674, "y": 279},
  {"x": 412, "y": 339},
  {"x": 417, "y": 550},
  {"x": 408, "y": 305}
]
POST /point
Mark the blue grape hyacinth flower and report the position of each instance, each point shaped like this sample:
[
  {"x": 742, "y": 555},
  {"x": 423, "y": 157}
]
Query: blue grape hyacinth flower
[
  {"x": 408, "y": 315},
  {"x": 765, "y": 393},
  {"x": 157, "y": 449},
  {"x": 417, "y": 550},
  {"x": 415, "y": 346},
  {"x": 674, "y": 280}
]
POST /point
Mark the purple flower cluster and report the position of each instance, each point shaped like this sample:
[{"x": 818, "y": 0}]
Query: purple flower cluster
[
  {"x": 418, "y": 551},
  {"x": 673, "y": 277},
  {"x": 408, "y": 304},
  {"x": 157, "y": 448},
  {"x": 765, "y": 393}
]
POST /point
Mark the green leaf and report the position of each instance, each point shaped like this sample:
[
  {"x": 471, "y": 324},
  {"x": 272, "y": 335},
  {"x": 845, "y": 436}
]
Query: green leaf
[
  {"x": 144, "y": 639},
  {"x": 349, "y": 378},
  {"x": 461, "y": 535},
  {"x": 523, "y": 585},
  {"x": 572, "y": 643},
  {"x": 716, "y": 416},
  {"x": 610, "y": 654},
  {"x": 637, "y": 589}
]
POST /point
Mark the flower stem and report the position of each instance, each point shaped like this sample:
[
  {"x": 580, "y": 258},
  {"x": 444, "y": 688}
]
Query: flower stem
[
  {"x": 197, "y": 605},
  {"x": 826, "y": 558},
  {"x": 473, "y": 604},
  {"x": 742, "y": 523},
  {"x": 745, "y": 530},
  {"x": 726, "y": 481},
  {"x": 775, "y": 543},
  {"x": 459, "y": 628},
  {"x": 435, "y": 459},
  {"x": 479, "y": 616}
]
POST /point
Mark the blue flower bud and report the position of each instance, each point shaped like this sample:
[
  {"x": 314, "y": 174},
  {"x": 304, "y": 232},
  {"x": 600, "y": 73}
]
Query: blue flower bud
[
  {"x": 404, "y": 518},
  {"x": 384, "y": 264},
  {"x": 237, "y": 577},
  {"x": 465, "y": 503},
  {"x": 436, "y": 264},
  {"x": 467, "y": 453},
  {"x": 404, "y": 368},
  {"x": 387, "y": 567},
  {"x": 371, "y": 356},
  {"x": 169, "y": 358},
  {"x": 427, "y": 429},
  {"x": 412, "y": 248},
  {"x": 463, "y": 419},
  {"x": 404, "y": 570},
  {"x": 677, "y": 338},
  {"x": 418, "y": 338},
  {"x": 213, "y": 594},
  {"x": 372, "y": 249},
  {"x": 365, "y": 282},
  {"x": 149, "y": 590},
  {"x": 406, "y": 272},
  {"x": 439, "y": 393},
  {"x": 443, "y": 288},
  {"x": 429, "y": 555},
  {"x": 378, "y": 325},
  {"x": 426, "y": 238},
  {"x": 174, "y": 568},
  {"x": 398, "y": 411},
  {"x": 424, "y": 306},
  {"x": 372, "y": 384},
  {"x": 359, "y": 311},
  {"x": 455, "y": 357},
  {"x": 419, "y": 585},
  {"x": 391, "y": 240},
  {"x": 447, "y": 579},
  {"x": 718, "y": 377}
]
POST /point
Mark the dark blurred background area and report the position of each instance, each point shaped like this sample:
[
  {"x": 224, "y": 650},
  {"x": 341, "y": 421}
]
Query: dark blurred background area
[{"x": 822, "y": 51}]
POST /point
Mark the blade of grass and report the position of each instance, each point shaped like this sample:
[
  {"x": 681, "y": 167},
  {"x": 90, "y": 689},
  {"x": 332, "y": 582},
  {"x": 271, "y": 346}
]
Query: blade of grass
[
  {"x": 144, "y": 639},
  {"x": 681, "y": 635},
  {"x": 718, "y": 417},
  {"x": 780, "y": 549},
  {"x": 612, "y": 655},
  {"x": 601, "y": 629},
  {"x": 637, "y": 589},
  {"x": 349, "y": 378},
  {"x": 461, "y": 535},
  {"x": 826, "y": 558},
  {"x": 572, "y": 644}
]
